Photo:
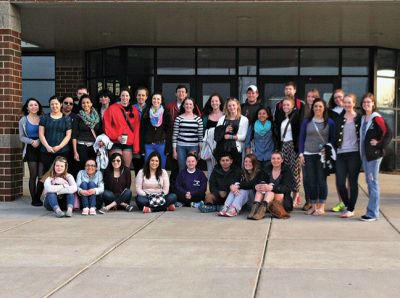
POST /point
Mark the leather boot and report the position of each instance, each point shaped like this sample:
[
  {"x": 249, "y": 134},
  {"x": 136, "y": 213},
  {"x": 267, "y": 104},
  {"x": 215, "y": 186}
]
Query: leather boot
[
  {"x": 253, "y": 210},
  {"x": 261, "y": 211}
]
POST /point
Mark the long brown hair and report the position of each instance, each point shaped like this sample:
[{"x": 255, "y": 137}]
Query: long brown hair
[
  {"x": 52, "y": 173},
  {"x": 256, "y": 167}
]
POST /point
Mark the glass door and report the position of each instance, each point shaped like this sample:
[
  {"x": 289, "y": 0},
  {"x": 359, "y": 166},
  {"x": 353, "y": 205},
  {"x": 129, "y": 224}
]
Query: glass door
[
  {"x": 167, "y": 85},
  {"x": 325, "y": 86},
  {"x": 226, "y": 87}
]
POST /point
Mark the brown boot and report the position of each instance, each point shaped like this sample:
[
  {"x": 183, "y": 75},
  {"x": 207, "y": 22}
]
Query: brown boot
[
  {"x": 261, "y": 211},
  {"x": 253, "y": 210}
]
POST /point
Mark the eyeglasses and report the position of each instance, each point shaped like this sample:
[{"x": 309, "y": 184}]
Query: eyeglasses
[
  {"x": 67, "y": 103},
  {"x": 116, "y": 160},
  {"x": 91, "y": 166}
]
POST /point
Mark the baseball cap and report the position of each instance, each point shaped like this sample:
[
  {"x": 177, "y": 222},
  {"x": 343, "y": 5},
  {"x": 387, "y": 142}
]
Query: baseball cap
[{"x": 253, "y": 88}]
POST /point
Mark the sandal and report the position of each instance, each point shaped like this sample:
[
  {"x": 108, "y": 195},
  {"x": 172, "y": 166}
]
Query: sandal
[
  {"x": 310, "y": 211},
  {"x": 129, "y": 208},
  {"x": 318, "y": 212}
]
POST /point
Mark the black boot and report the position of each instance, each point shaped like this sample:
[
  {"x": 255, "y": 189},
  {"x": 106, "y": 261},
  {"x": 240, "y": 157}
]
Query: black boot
[{"x": 253, "y": 210}]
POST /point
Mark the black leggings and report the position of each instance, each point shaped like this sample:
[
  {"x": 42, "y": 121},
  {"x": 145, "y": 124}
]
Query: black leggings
[{"x": 35, "y": 185}]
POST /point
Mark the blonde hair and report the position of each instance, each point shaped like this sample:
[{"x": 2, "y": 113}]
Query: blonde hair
[
  {"x": 52, "y": 173},
  {"x": 353, "y": 98},
  {"x": 239, "y": 109}
]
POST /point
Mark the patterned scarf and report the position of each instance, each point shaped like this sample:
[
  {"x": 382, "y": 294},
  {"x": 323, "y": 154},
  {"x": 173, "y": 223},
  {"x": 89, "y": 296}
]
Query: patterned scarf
[
  {"x": 262, "y": 129},
  {"x": 90, "y": 119},
  {"x": 156, "y": 117}
]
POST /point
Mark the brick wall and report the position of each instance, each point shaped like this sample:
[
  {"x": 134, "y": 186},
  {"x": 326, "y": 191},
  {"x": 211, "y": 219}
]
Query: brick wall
[
  {"x": 11, "y": 170},
  {"x": 70, "y": 72}
]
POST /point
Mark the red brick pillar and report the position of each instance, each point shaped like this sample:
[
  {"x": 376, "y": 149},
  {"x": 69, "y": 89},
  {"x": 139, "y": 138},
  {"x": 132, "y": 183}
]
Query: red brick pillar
[{"x": 11, "y": 170}]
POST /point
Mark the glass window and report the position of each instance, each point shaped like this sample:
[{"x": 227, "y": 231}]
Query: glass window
[
  {"x": 325, "y": 90},
  {"x": 174, "y": 61},
  {"x": 385, "y": 92},
  {"x": 318, "y": 61},
  {"x": 247, "y": 61},
  {"x": 224, "y": 89},
  {"x": 95, "y": 64},
  {"x": 244, "y": 83},
  {"x": 38, "y": 67},
  {"x": 169, "y": 90},
  {"x": 41, "y": 90},
  {"x": 355, "y": 61},
  {"x": 216, "y": 61},
  {"x": 280, "y": 61},
  {"x": 95, "y": 86},
  {"x": 358, "y": 86},
  {"x": 398, "y": 128},
  {"x": 113, "y": 63},
  {"x": 398, "y": 94},
  {"x": 386, "y": 63},
  {"x": 273, "y": 93},
  {"x": 388, "y": 114},
  {"x": 141, "y": 61}
]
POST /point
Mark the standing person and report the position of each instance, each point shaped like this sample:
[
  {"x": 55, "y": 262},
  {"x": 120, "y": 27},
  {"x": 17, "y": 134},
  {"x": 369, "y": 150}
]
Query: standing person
[
  {"x": 290, "y": 92},
  {"x": 142, "y": 93},
  {"x": 252, "y": 104},
  {"x": 117, "y": 185},
  {"x": 59, "y": 187},
  {"x": 67, "y": 107},
  {"x": 288, "y": 129},
  {"x": 335, "y": 111},
  {"x": 152, "y": 180},
  {"x": 29, "y": 135},
  {"x": 239, "y": 191},
  {"x": 231, "y": 130},
  {"x": 348, "y": 161},
  {"x": 191, "y": 183},
  {"x": 105, "y": 99},
  {"x": 260, "y": 137},
  {"x": 80, "y": 91},
  {"x": 311, "y": 95},
  {"x": 54, "y": 133},
  {"x": 277, "y": 187},
  {"x": 374, "y": 136},
  {"x": 90, "y": 185},
  {"x": 316, "y": 131},
  {"x": 85, "y": 130},
  {"x": 122, "y": 126},
  {"x": 187, "y": 133},
  {"x": 212, "y": 112},
  {"x": 155, "y": 131}
]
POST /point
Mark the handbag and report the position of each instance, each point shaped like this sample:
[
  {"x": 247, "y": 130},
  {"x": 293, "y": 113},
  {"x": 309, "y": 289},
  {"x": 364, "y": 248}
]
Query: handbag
[
  {"x": 156, "y": 199},
  {"x": 276, "y": 209},
  {"x": 77, "y": 203}
]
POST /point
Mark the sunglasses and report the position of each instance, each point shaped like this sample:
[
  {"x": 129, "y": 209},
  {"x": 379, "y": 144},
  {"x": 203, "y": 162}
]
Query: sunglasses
[
  {"x": 67, "y": 103},
  {"x": 116, "y": 160}
]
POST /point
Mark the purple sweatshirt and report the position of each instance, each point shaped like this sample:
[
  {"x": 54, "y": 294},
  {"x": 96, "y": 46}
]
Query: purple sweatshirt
[{"x": 195, "y": 183}]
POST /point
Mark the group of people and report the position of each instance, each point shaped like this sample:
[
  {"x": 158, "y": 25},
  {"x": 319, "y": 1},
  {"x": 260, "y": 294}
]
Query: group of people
[{"x": 82, "y": 152}]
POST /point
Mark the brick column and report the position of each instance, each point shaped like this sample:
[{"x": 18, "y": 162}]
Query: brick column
[
  {"x": 11, "y": 170},
  {"x": 70, "y": 72}
]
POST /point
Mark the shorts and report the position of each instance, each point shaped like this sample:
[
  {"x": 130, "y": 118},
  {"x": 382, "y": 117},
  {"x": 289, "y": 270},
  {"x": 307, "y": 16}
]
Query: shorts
[
  {"x": 32, "y": 154},
  {"x": 122, "y": 147}
]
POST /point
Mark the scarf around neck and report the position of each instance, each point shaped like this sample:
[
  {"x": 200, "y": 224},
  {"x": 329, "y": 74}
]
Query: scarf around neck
[
  {"x": 262, "y": 129},
  {"x": 156, "y": 117},
  {"x": 90, "y": 119}
]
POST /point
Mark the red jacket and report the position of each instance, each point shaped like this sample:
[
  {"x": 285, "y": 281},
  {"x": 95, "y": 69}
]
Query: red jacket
[{"x": 116, "y": 125}]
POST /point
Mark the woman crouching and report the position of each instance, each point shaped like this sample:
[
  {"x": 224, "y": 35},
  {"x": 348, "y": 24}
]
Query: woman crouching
[
  {"x": 59, "y": 187},
  {"x": 274, "y": 194}
]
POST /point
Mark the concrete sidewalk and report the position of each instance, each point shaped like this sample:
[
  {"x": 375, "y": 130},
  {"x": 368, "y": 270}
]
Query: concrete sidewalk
[{"x": 189, "y": 254}]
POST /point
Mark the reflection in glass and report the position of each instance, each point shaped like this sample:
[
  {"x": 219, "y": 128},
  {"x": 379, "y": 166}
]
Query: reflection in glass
[
  {"x": 358, "y": 86},
  {"x": 216, "y": 61},
  {"x": 386, "y": 63},
  {"x": 95, "y": 64},
  {"x": 388, "y": 114},
  {"x": 175, "y": 61},
  {"x": 280, "y": 61},
  {"x": 244, "y": 83},
  {"x": 273, "y": 93},
  {"x": 355, "y": 61},
  {"x": 169, "y": 90},
  {"x": 41, "y": 90},
  {"x": 224, "y": 89},
  {"x": 325, "y": 90},
  {"x": 319, "y": 61},
  {"x": 385, "y": 92},
  {"x": 38, "y": 67},
  {"x": 247, "y": 61},
  {"x": 140, "y": 61},
  {"x": 113, "y": 64}
]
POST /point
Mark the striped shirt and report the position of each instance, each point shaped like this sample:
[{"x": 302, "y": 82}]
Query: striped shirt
[{"x": 187, "y": 132}]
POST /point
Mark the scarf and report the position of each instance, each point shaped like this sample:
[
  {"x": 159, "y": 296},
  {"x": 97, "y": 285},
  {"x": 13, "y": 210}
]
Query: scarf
[
  {"x": 262, "y": 129},
  {"x": 156, "y": 117},
  {"x": 90, "y": 119}
]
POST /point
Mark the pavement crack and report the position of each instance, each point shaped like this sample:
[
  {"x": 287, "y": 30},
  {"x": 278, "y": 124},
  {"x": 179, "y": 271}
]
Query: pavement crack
[{"x": 102, "y": 256}]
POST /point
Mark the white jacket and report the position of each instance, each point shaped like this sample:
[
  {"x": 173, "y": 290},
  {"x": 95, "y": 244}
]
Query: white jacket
[{"x": 242, "y": 131}]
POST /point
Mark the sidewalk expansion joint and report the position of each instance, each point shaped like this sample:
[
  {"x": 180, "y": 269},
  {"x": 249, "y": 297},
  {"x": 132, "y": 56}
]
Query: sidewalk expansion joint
[
  {"x": 262, "y": 261},
  {"x": 102, "y": 256},
  {"x": 23, "y": 223}
]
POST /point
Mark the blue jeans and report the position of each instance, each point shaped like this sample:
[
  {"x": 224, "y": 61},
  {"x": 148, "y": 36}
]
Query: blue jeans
[
  {"x": 348, "y": 166},
  {"x": 142, "y": 201},
  {"x": 51, "y": 202},
  {"x": 88, "y": 201},
  {"x": 182, "y": 152},
  {"x": 371, "y": 170},
  {"x": 160, "y": 148},
  {"x": 237, "y": 201},
  {"x": 315, "y": 179},
  {"x": 108, "y": 197}
]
